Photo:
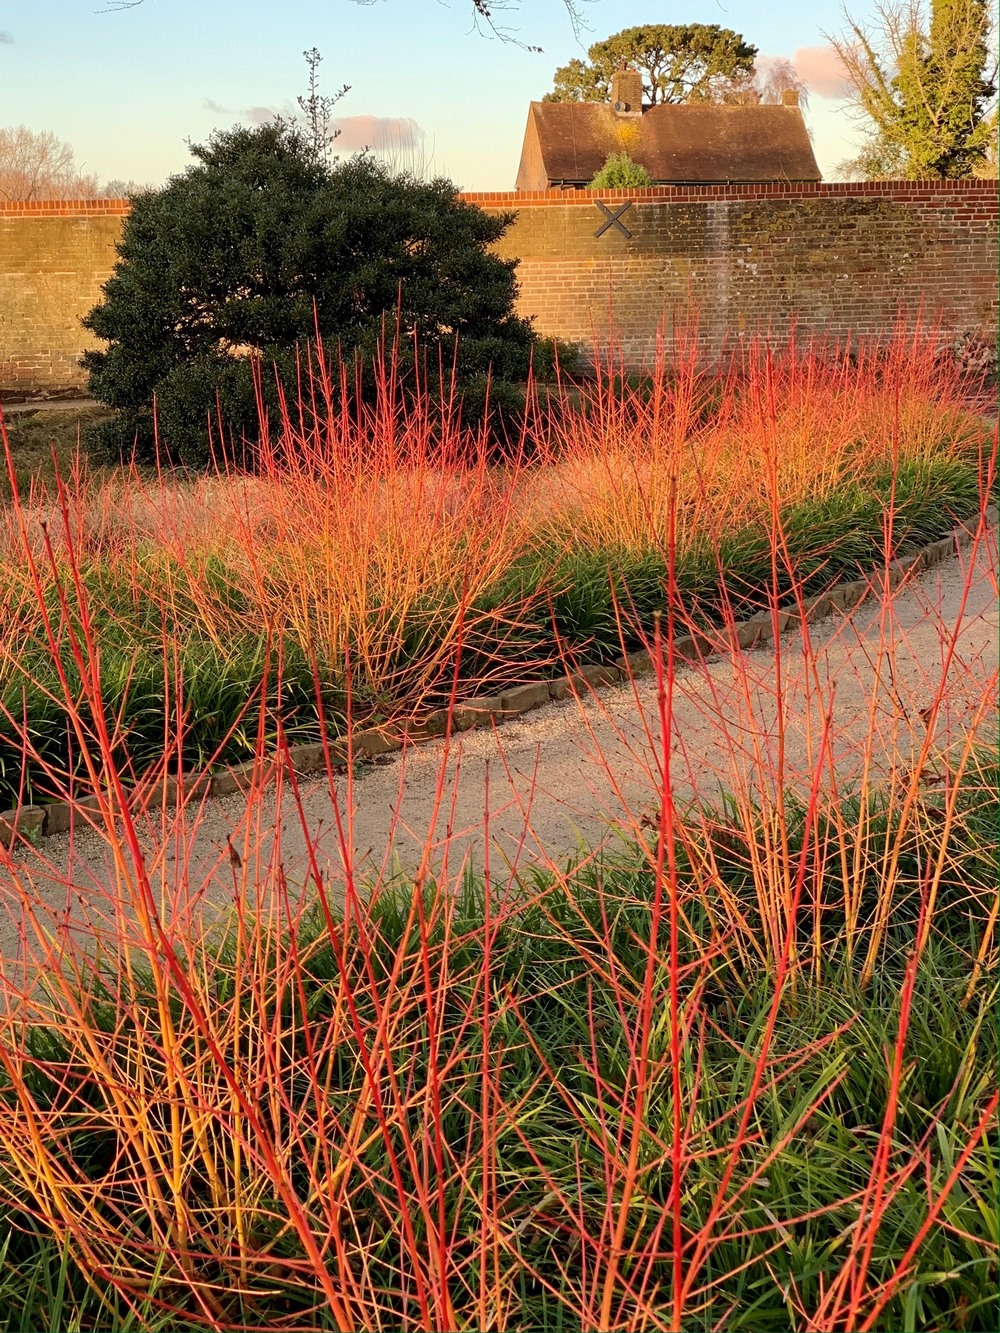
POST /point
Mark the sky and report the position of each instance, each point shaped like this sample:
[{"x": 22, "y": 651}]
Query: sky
[{"x": 129, "y": 88}]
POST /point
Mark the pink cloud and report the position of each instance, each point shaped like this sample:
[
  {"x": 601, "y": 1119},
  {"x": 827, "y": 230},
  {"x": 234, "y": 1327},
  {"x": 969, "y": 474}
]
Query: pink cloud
[
  {"x": 379, "y": 133},
  {"x": 820, "y": 69},
  {"x": 376, "y": 132}
]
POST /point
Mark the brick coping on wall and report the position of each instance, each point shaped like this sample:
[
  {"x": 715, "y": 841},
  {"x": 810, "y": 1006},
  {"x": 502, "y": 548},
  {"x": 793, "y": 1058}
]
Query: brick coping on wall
[
  {"x": 902, "y": 191},
  {"x": 64, "y": 208},
  {"x": 897, "y": 191}
]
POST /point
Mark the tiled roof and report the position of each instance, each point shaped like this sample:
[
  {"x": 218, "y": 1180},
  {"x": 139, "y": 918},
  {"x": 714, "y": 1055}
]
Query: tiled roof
[{"x": 570, "y": 141}]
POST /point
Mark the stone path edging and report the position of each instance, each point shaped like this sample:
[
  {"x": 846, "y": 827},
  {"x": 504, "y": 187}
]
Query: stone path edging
[
  {"x": 30, "y": 822},
  {"x": 52, "y": 405}
]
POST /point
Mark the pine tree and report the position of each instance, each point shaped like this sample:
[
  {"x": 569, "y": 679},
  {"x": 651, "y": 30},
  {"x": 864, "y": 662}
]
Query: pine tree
[{"x": 677, "y": 62}]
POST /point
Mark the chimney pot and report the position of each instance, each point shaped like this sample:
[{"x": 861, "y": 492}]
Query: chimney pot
[
  {"x": 626, "y": 92},
  {"x": 789, "y": 97}
]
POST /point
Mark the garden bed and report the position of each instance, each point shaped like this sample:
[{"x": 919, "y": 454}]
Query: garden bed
[
  {"x": 384, "y": 555},
  {"x": 734, "y": 1070},
  {"x": 717, "y": 1077}
]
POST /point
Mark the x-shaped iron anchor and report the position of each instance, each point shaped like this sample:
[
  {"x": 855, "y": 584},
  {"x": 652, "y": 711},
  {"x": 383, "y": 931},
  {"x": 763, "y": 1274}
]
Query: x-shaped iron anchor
[{"x": 613, "y": 219}]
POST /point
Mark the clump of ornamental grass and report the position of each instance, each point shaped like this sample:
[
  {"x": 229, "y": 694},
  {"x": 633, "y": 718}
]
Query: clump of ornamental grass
[
  {"x": 379, "y": 541},
  {"x": 733, "y": 1068}
]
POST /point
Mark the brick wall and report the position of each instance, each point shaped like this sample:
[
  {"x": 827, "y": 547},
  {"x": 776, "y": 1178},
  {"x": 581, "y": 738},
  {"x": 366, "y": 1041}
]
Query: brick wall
[
  {"x": 53, "y": 258},
  {"x": 831, "y": 258}
]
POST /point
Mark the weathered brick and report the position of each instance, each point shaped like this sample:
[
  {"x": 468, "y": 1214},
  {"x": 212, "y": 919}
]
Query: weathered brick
[
  {"x": 60, "y": 814},
  {"x": 483, "y": 708},
  {"x": 774, "y": 622},
  {"x": 587, "y": 678},
  {"x": 833, "y": 258},
  {"x": 846, "y": 596},
  {"x": 523, "y": 698},
  {"x": 371, "y": 744},
  {"x": 168, "y": 790},
  {"x": 753, "y": 630},
  {"x": 307, "y": 758},
  {"x": 693, "y": 647},
  {"x": 904, "y": 565},
  {"x": 636, "y": 664},
  {"x": 813, "y": 608},
  {"x": 561, "y": 688},
  {"x": 463, "y": 717},
  {"x": 27, "y": 822},
  {"x": 428, "y": 726},
  {"x": 239, "y": 778},
  {"x": 928, "y": 555}
]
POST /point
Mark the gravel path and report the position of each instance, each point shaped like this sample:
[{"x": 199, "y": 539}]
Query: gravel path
[{"x": 536, "y": 787}]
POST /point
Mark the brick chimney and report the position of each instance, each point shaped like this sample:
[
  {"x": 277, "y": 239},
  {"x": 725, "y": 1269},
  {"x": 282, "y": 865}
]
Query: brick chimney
[
  {"x": 626, "y": 92},
  {"x": 789, "y": 97}
]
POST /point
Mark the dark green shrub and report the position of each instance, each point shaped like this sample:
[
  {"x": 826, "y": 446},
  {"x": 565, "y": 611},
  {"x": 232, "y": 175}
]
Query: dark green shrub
[
  {"x": 260, "y": 246},
  {"x": 551, "y": 354}
]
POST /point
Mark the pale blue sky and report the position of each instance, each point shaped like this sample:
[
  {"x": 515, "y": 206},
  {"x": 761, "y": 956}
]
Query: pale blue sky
[{"x": 128, "y": 88}]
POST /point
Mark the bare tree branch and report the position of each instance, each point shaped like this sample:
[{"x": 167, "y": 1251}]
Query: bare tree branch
[
  {"x": 37, "y": 165},
  {"x": 485, "y": 13},
  {"x": 924, "y": 84}
]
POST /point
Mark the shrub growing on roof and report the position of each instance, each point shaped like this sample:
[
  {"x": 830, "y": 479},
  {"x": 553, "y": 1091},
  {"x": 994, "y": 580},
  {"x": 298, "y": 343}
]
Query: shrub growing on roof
[
  {"x": 621, "y": 172},
  {"x": 260, "y": 244}
]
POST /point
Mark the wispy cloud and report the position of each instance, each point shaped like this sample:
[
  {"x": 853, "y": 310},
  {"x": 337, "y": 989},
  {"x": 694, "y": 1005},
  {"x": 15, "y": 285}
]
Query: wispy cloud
[
  {"x": 820, "y": 69},
  {"x": 264, "y": 115},
  {"x": 379, "y": 133},
  {"x": 256, "y": 115},
  {"x": 6, "y": 39}
]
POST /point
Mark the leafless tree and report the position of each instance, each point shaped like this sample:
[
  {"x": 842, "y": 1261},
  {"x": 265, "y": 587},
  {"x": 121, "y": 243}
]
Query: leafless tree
[
  {"x": 923, "y": 79},
  {"x": 37, "y": 165},
  {"x": 778, "y": 77},
  {"x": 766, "y": 84},
  {"x": 120, "y": 188}
]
